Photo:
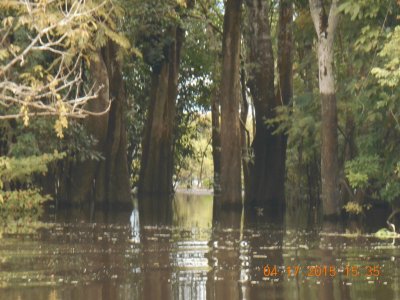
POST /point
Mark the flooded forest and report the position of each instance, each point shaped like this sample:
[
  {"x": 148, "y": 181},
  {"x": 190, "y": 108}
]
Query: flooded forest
[{"x": 199, "y": 149}]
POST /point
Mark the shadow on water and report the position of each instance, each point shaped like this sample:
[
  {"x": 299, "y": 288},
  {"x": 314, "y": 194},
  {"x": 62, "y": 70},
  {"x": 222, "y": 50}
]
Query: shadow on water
[{"x": 182, "y": 249}]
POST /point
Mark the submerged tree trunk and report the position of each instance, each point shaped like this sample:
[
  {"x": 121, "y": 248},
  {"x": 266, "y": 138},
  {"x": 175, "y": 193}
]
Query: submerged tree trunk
[
  {"x": 268, "y": 168},
  {"x": 231, "y": 192},
  {"x": 325, "y": 26},
  {"x": 116, "y": 164},
  {"x": 156, "y": 170},
  {"x": 106, "y": 180}
]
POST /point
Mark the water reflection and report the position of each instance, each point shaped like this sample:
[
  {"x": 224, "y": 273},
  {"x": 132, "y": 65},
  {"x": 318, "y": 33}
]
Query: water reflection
[{"x": 179, "y": 250}]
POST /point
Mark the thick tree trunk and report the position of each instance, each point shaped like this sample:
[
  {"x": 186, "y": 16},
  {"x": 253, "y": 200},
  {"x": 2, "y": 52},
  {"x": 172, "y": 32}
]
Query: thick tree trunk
[
  {"x": 82, "y": 174},
  {"x": 268, "y": 169},
  {"x": 156, "y": 168},
  {"x": 116, "y": 164},
  {"x": 285, "y": 52},
  {"x": 231, "y": 192},
  {"x": 325, "y": 26},
  {"x": 108, "y": 180}
]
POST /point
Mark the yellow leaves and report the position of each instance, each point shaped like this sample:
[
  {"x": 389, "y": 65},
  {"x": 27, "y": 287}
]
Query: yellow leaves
[
  {"x": 59, "y": 126},
  {"x": 353, "y": 208},
  {"x": 8, "y": 21},
  {"x": 25, "y": 114},
  {"x": 4, "y": 54},
  {"x": 62, "y": 121},
  {"x": 181, "y": 3},
  {"x": 117, "y": 38}
]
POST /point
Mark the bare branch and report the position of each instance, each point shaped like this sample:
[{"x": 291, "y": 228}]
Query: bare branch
[{"x": 59, "y": 85}]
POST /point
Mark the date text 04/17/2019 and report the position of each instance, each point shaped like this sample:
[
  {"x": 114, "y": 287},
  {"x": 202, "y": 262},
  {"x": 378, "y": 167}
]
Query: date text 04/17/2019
[{"x": 322, "y": 270}]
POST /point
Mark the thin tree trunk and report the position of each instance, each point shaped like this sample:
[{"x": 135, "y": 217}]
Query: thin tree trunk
[
  {"x": 285, "y": 88},
  {"x": 231, "y": 192},
  {"x": 325, "y": 26},
  {"x": 245, "y": 135},
  {"x": 216, "y": 142}
]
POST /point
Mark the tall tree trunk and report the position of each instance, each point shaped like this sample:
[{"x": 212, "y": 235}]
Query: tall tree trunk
[
  {"x": 108, "y": 180},
  {"x": 216, "y": 142},
  {"x": 325, "y": 26},
  {"x": 116, "y": 163},
  {"x": 245, "y": 134},
  {"x": 157, "y": 165},
  {"x": 231, "y": 192},
  {"x": 82, "y": 174},
  {"x": 268, "y": 170},
  {"x": 285, "y": 88},
  {"x": 261, "y": 83}
]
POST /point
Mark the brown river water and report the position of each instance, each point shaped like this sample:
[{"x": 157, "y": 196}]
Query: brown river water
[{"x": 176, "y": 252}]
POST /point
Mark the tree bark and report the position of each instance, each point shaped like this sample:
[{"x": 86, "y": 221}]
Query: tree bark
[
  {"x": 156, "y": 170},
  {"x": 268, "y": 168},
  {"x": 285, "y": 89},
  {"x": 245, "y": 135},
  {"x": 325, "y": 26},
  {"x": 116, "y": 163},
  {"x": 216, "y": 142},
  {"x": 231, "y": 192},
  {"x": 106, "y": 180}
]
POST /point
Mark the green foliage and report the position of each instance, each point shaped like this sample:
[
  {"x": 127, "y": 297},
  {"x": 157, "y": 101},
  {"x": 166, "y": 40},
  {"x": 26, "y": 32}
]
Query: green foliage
[
  {"x": 197, "y": 78},
  {"x": 362, "y": 169},
  {"x": 151, "y": 33},
  {"x": 20, "y": 203},
  {"x": 20, "y": 170},
  {"x": 385, "y": 233},
  {"x": 196, "y": 166},
  {"x": 389, "y": 75}
]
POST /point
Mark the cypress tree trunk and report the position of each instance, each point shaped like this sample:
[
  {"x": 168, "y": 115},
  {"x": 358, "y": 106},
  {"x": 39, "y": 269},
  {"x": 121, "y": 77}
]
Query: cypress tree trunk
[
  {"x": 157, "y": 165},
  {"x": 268, "y": 169},
  {"x": 325, "y": 26},
  {"x": 261, "y": 84},
  {"x": 107, "y": 180},
  {"x": 231, "y": 192},
  {"x": 116, "y": 163}
]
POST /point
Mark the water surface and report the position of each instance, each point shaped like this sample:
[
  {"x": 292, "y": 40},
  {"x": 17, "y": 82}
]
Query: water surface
[{"x": 161, "y": 251}]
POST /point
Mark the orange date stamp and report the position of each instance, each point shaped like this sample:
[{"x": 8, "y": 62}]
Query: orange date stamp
[{"x": 322, "y": 271}]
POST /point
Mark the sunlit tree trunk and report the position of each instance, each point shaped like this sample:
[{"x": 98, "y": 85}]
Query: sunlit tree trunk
[
  {"x": 325, "y": 25},
  {"x": 245, "y": 134},
  {"x": 231, "y": 192}
]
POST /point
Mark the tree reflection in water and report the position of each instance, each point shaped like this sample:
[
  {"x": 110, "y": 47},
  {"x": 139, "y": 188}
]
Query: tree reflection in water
[{"x": 177, "y": 249}]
